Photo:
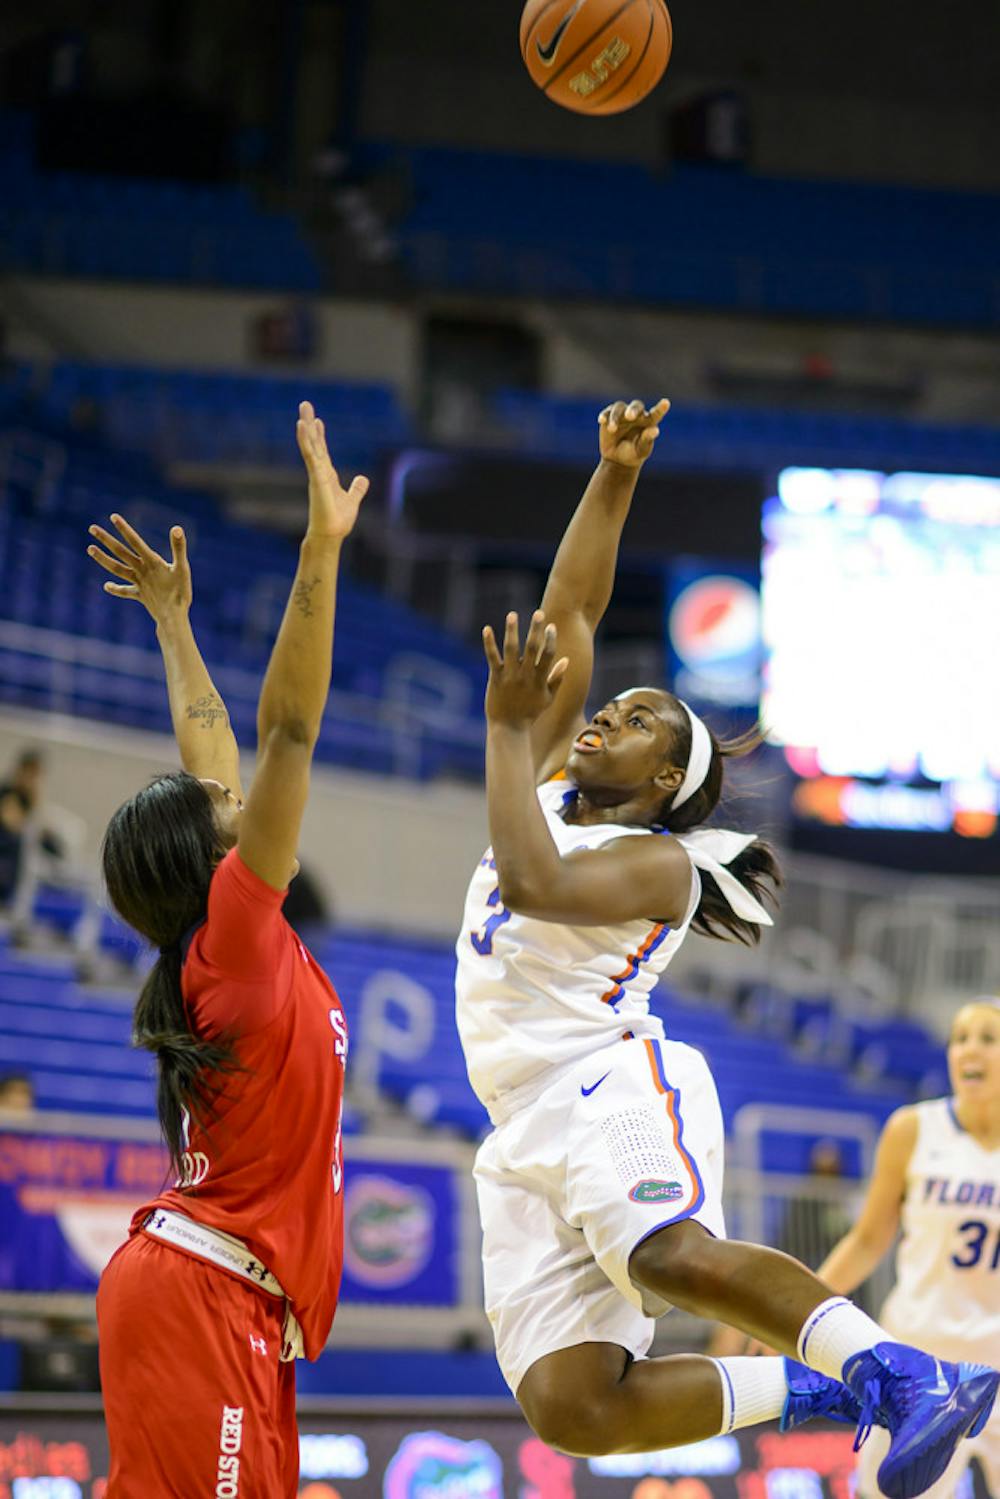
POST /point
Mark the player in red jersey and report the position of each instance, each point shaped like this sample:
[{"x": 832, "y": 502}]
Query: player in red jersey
[{"x": 234, "y": 1269}]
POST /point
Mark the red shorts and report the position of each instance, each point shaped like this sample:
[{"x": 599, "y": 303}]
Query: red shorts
[{"x": 196, "y": 1399}]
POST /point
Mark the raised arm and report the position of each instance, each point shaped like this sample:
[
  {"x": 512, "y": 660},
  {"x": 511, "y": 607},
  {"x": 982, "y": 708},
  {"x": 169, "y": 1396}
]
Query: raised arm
[
  {"x": 297, "y": 681},
  {"x": 207, "y": 745},
  {"x": 853, "y": 1259},
  {"x": 579, "y": 586}
]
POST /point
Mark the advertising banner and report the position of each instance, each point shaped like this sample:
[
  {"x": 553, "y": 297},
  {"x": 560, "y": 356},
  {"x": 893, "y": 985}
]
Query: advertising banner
[
  {"x": 713, "y": 632},
  {"x": 66, "y": 1203},
  {"x": 355, "y": 1456}
]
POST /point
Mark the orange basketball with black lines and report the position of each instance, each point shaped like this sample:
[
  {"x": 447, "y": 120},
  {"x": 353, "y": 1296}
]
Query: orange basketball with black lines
[{"x": 598, "y": 57}]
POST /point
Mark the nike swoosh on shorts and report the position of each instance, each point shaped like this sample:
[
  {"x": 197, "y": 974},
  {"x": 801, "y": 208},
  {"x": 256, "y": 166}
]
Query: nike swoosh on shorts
[{"x": 586, "y": 1092}]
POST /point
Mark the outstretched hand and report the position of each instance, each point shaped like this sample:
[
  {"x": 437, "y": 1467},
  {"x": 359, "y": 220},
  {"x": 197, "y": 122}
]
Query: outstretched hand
[
  {"x": 521, "y": 687},
  {"x": 332, "y": 508},
  {"x": 163, "y": 587},
  {"x": 628, "y": 433}
]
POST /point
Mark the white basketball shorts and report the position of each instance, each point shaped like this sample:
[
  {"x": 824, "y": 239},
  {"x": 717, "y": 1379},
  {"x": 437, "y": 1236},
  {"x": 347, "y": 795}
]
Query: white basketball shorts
[{"x": 626, "y": 1142}]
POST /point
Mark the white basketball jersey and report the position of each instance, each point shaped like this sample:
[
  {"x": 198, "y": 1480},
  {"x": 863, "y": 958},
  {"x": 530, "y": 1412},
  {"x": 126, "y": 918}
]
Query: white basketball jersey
[
  {"x": 533, "y": 995},
  {"x": 947, "y": 1293}
]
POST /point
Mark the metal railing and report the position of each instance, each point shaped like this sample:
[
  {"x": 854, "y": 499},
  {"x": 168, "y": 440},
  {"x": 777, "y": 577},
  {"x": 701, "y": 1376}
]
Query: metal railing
[
  {"x": 890, "y": 940},
  {"x": 412, "y": 720}
]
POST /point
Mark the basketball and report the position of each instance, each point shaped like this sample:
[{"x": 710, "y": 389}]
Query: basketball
[{"x": 598, "y": 57}]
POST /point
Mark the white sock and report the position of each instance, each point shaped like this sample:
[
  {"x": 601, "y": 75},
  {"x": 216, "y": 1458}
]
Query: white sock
[
  {"x": 835, "y": 1332},
  {"x": 753, "y": 1390}
]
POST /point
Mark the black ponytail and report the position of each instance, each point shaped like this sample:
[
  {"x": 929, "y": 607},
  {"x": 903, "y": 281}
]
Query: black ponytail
[
  {"x": 159, "y": 853},
  {"x": 757, "y": 867}
]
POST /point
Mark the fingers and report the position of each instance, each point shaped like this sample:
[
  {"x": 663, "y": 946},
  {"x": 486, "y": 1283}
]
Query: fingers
[
  {"x": 311, "y": 435},
  {"x": 359, "y": 488},
  {"x": 492, "y": 650},
  {"x": 135, "y": 541},
  {"x": 539, "y": 645},
  {"x": 178, "y": 546},
  {"x": 620, "y": 414},
  {"x": 615, "y": 415},
  {"x": 557, "y": 673},
  {"x": 547, "y": 653},
  {"x": 122, "y": 590},
  {"x": 535, "y": 642},
  {"x": 511, "y": 639},
  {"x": 111, "y": 564},
  {"x": 114, "y": 546},
  {"x": 308, "y": 430}
]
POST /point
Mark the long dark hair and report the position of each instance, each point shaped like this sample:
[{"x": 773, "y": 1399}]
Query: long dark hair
[
  {"x": 756, "y": 867},
  {"x": 158, "y": 855}
]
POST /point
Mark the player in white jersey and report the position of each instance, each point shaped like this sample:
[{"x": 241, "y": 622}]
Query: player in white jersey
[
  {"x": 600, "y": 1185},
  {"x": 937, "y": 1177}
]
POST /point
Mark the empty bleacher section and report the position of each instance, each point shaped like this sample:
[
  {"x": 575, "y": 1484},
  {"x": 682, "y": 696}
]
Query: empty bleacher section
[
  {"x": 491, "y": 223},
  {"x": 539, "y": 227},
  {"x": 406, "y": 695},
  {"x": 73, "y": 1041},
  {"x": 208, "y": 417},
  {"x": 220, "y": 417},
  {"x": 131, "y": 229},
  {"x": 727, "y": 437}
]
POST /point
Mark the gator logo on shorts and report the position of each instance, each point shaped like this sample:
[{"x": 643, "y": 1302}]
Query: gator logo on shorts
[{"x": 651, "y": 1190}]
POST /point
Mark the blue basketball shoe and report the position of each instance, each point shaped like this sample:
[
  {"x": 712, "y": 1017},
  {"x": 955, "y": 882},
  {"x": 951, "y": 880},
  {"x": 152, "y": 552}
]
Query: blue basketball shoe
[
  {"x": 811, "y": 1394},
  {"x": 928, "y": 1407}
]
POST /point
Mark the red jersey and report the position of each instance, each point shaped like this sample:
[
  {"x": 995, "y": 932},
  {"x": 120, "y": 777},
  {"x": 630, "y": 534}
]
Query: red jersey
[{"x": 269, "y": 1167}]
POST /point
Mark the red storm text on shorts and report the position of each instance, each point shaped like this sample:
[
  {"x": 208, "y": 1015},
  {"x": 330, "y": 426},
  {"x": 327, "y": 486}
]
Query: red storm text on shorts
[{"x": 227, "y": 1481}]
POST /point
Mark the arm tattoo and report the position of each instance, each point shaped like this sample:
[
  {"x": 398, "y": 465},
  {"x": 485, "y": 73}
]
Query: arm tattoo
[
  {"x": 302, "y": 597},
  {"x": 210, "y": 709}
]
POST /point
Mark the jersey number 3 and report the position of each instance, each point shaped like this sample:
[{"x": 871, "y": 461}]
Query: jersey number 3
[
  {"x": 483, "y": 941},
  {"x": 976, "y": 1234}
]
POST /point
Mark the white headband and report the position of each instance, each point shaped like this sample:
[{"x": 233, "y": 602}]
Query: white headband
[
  {"x": 711, "y": 849},
  {"x": 699, "y": 760}
]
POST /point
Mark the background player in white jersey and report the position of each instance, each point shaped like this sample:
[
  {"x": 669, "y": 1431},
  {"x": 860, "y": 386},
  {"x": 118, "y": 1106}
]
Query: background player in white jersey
[
  {"x": 937, "y": 1176},
  {"x": 600, "y": 1185}
]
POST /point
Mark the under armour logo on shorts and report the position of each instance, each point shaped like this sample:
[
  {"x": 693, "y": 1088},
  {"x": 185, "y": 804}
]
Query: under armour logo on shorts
[{"x": 258, "y": 1345}]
